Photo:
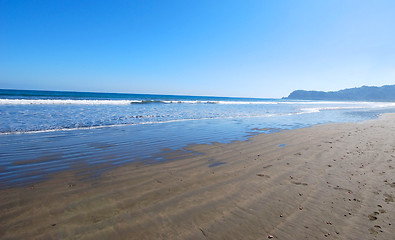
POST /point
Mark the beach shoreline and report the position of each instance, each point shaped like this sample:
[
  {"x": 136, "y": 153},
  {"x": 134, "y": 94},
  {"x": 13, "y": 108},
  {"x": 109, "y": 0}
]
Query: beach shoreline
[{"x": 332, "y": 181}]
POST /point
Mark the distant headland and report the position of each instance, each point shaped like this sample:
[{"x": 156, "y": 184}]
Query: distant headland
[{"x": 364, "y": 93}]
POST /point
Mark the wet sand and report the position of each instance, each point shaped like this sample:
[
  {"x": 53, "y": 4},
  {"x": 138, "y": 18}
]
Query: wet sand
[{"x": 333, "y": 181}]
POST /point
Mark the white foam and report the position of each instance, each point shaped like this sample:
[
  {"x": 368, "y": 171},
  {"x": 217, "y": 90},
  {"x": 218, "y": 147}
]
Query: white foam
[
  {"x": 110, "y": 102},
  {"x": 140, "y": 123},
  {"x": 63, "y": 102},
  {"x": 364, "y": 104},
  {"x": 126, "y": 102},
  {"x": 116, "y": 102},
  {"x": 219, "y": 102},
  {"x": 318, "y": 109}
]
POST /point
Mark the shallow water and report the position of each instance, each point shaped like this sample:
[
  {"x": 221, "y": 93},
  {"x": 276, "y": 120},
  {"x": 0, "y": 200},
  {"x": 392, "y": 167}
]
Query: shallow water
[
  {"x": 41, "y": 139},
  {"x": 38, "y": 111}
]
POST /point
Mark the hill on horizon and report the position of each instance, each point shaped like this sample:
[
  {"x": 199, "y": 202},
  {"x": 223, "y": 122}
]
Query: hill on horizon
[{"x": 364, "y": 93}]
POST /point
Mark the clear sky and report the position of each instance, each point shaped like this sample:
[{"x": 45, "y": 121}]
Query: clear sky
[{"x": 262, "y": 48}]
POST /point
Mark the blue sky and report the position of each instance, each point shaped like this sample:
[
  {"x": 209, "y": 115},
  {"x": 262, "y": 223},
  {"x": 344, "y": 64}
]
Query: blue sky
[{"x": 256, "y": 48}]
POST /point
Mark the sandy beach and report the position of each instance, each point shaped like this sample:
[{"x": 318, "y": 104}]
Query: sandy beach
[{"x": 332, "y": 181}]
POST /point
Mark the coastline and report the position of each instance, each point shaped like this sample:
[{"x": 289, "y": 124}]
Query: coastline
[{"x": 327, "y": 181}]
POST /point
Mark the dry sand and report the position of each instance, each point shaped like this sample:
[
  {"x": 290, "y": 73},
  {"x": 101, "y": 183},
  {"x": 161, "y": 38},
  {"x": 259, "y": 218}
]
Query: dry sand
[{"x": 333, "y": 181}]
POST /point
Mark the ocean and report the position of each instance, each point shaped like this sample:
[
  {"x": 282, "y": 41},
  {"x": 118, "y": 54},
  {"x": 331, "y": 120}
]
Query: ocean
[{"x": 45, "y": 132}]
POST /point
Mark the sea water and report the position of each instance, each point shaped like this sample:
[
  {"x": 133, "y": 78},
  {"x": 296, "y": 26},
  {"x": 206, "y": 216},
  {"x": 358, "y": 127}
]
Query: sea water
[{"x": 43, "y": 132}]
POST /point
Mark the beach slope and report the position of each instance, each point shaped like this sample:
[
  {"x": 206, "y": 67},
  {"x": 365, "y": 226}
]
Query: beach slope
[{"x": 332, "y": 181}]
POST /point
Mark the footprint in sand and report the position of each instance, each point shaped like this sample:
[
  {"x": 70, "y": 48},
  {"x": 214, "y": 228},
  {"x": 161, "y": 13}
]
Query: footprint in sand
[
  {"x": 373, "y": 231},
  {"x": 299, "y": 183},
  {"x": 372, "y": 217},
  {"x": 388, "y": 198},
  {"x": 382, "y": 211},
  {"x": 263, "y": 175}
]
